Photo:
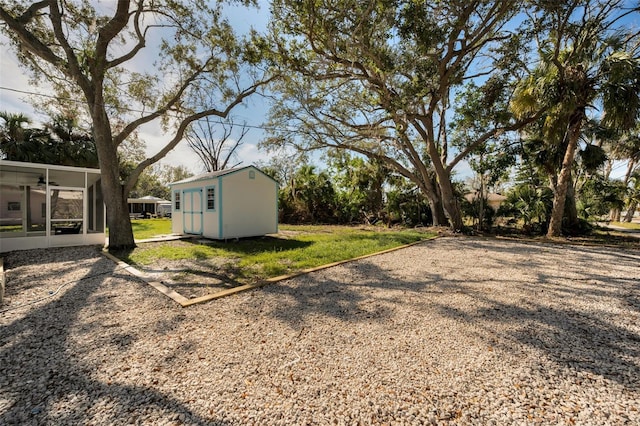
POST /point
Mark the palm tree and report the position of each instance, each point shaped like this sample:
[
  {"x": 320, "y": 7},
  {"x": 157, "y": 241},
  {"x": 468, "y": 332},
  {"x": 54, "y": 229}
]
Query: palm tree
[
  {"x": 19, "y": 142},
  {"x": 579, "y": 68},
  {"x": 624, "y": 148},
  {"x": 633, "y": 196},
  {"x": 69, "y": 145}
]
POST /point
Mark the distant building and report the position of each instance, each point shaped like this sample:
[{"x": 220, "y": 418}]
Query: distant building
[
  {"x": 147, "y": 207},
  {"x": 493, "y": 200},
  {"x": 233, "y": 203}
]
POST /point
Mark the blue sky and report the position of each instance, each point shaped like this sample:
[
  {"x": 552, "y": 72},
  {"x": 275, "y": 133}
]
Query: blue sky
[{"x": 253, "y": 111}]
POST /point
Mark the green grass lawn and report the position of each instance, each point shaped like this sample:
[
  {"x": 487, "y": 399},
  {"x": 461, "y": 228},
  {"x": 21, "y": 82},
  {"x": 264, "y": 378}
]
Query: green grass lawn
[
  {"x": 148, "y": 228},
  {"x": 627, "y": 225},
  {"x": 295, "y": 248}
]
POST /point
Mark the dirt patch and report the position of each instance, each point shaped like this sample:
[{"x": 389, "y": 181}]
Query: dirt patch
[{"x": 194, "y": 277}]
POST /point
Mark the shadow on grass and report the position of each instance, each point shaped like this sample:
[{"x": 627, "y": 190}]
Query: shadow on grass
[{"x": 255, "y": 245}]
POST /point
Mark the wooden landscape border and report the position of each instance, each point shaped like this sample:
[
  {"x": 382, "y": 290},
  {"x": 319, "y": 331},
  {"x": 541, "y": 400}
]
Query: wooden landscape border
[{"x": 185, "y": 302}]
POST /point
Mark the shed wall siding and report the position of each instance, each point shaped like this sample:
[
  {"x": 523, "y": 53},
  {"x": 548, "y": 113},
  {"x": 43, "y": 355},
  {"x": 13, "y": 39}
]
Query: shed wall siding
[
  {"x": 211, "y": 217},
  {"x": 249, "y": 206},
  {"x": 176, "y": 215}
]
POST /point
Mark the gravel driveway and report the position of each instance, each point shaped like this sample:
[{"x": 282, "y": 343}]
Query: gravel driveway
[{"x": 451, "y": 331}]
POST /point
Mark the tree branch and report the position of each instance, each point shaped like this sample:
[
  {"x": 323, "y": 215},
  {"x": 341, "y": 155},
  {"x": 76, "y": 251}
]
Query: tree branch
[
  {"x": 138, "y": 46},
  {"x": 109, "y": 31},
  {"x": 132, "y": 178},
  {"x": 26, "y": 37}
]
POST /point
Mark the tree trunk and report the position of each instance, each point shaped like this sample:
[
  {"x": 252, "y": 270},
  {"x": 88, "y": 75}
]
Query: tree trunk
[
  {"x": 570, "y": 209},
  {"x": 564, "y": 178},
  {"x": 631, "y": 210},
  {"x": 120, "y": 231},
  {"x": 614, "y": 215},
  {"x": 631, "y": 165},
  {"x": 480, "y": 198},
  {"x": 426, "y": 186},
  {"x": 115, "y": 198},
  {"x": 451, "y": 204},
  {"x": 437, "y": 212}
]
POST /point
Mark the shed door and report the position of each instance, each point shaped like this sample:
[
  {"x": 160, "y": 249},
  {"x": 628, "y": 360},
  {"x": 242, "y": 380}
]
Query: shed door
[{"x": 192, "y": 211}]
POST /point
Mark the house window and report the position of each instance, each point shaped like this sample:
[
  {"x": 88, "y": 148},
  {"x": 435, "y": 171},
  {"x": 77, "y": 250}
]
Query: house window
[
  {"x": 176, "y": 197},
  {"x": 252, "y": 174},
  {"x": 211, "y": 198}
]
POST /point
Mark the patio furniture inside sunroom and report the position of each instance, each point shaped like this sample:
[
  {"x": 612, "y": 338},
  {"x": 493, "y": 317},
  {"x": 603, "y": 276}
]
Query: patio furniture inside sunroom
[{"x": 43, "y": 205}]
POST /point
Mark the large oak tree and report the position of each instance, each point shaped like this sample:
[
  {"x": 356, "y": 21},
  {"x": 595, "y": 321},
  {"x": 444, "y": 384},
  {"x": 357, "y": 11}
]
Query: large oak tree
[
  {"x": 132, "y": 63},
  {"x": 380, "y": 78}
]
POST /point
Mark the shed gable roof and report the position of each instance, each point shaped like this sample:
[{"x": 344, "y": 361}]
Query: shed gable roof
[{"x": 218, "y": 173}]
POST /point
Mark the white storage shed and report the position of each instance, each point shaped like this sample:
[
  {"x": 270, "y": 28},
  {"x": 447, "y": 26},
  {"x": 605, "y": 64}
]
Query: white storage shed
[{"x": 233, "y": 203}]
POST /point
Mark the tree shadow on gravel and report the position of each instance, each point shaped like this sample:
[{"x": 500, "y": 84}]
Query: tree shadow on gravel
[
  {"x": 42, "y": 382},
  {"x": 579, "y": 338},
  {"x": 346, "y": 301},
  {"x": 563, "y": 325}
]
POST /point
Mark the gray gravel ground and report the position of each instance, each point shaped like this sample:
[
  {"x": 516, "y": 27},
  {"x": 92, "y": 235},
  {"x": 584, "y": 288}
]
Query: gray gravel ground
[{"x": 452, "y": 331}]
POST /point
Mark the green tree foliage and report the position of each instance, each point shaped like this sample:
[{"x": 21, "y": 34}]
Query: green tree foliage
[
  {"x": 407, "y": 206},
  {"x": 633, "y": 196},
  {"x": 359, "y": 187},
  {"x": 352, "y": 190},
  {"x": 598, "y": 196},
  {"x": 155, "y": 181},
  {"x": 530, "y": 204},
  {"x": 308, "y": 197},
  {"x": 491, "y": 165},
  {"x": 627, "y": 149},
  {"x": 69, "y": 145},
  {"x": 60, "y": 142},
  {"x": 582, "y": 63},
  {"x": 379, "y": 78},
  {"x": 99, "y": 53},
  {"x": 18, "y": 142}
]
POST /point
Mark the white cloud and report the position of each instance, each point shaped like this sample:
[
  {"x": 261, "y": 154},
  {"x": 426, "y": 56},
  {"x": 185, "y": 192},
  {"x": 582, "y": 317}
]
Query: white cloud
[{"x": 14, "y": 81}]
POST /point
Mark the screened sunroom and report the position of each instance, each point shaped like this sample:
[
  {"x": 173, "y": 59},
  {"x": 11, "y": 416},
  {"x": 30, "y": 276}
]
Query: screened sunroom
[{"x": 43, "y": 205}]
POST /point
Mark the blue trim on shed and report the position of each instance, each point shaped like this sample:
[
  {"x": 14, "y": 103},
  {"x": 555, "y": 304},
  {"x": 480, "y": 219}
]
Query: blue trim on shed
[
  {"x": 206, "y": 197},
  {"x": 220, "y": 230}
]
